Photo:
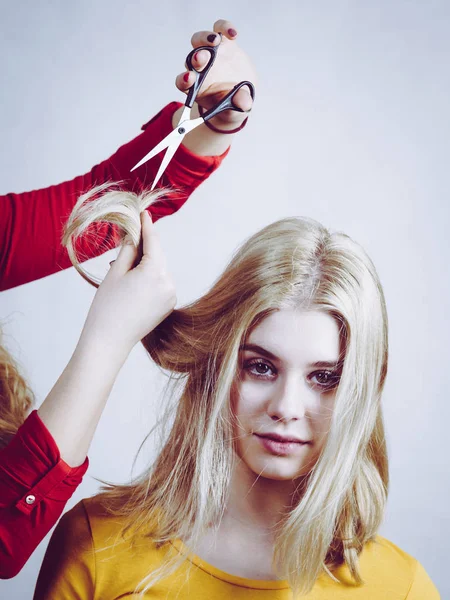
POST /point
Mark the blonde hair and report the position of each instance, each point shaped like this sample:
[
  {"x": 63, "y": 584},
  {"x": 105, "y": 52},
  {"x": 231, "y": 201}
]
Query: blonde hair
[
  {"x": 16, "y": 398},
  {"x": 294, "y": 262},
  {"x": 105, "y": 204}
]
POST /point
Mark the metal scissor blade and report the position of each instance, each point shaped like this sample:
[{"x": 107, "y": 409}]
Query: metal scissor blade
[
  {"x": 191, "y": 124},
  {"x": 182, "y": 129},
  {"x": 165, "y": 143},
  {"x": 166, "y": 160}
]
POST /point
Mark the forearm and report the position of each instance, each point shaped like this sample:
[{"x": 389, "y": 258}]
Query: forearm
[{"x": 72, "y": 409}]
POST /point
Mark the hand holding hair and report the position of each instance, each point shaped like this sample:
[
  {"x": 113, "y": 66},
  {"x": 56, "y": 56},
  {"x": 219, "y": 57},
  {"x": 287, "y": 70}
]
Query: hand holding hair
[{"x": 136, "y": 294}]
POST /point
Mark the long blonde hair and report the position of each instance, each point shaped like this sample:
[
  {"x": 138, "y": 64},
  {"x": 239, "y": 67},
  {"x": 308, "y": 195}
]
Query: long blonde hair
[{"x": 294, "y": 262}]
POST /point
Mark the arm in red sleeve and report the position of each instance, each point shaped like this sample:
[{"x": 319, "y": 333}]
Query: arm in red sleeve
[
  {"x": 35, "y": 484},
  {"x": 31, "y": 223}
]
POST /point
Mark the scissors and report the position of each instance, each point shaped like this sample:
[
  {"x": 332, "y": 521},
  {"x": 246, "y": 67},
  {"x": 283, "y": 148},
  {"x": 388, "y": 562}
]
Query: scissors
[{"x": 185, "y": 123}]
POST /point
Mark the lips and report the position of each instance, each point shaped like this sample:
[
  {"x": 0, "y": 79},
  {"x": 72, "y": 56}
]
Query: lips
[
  {"x": 279, "y": 445},
  {"x": 282, "y": 439}
]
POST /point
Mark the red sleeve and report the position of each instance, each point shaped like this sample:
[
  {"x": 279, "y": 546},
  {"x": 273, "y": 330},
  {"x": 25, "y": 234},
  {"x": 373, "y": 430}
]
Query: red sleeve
[
  {"x": 31, "y": 223},
  {"x": 35, "y": 484}
]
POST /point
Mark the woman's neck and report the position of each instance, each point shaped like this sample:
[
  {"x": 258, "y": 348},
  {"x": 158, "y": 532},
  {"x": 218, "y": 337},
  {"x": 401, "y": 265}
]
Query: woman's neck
[{"x": 256, "y": 503}]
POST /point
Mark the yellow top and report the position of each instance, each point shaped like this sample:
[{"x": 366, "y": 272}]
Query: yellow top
[{"x": 74, "y": 568}]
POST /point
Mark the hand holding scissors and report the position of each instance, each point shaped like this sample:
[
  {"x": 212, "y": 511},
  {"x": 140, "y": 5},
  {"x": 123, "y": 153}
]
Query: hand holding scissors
[{"x": 172, "y": 141}]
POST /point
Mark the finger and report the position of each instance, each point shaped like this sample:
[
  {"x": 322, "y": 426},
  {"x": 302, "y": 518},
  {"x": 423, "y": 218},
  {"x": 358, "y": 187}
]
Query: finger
[
  {"x": 226, "y": 28},
  {"x": 242, "y": 99},
  {"x": 151, "y": 247},
  {"x": 185, "y": 80},
  {"x": 205, "y": 38},
  {"x": 199, "y": 60},
  {"x": 125, "y": 259}
]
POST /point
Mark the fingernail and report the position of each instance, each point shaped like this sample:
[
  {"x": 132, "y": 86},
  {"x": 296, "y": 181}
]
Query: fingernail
[
  {"x": 186, "y": 77},
  {"x": 211, "y": 37},
  {"x": 232, "y": 32}
]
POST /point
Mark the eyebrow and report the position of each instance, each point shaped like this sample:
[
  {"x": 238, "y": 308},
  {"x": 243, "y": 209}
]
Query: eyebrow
[{"x": 320, "y": 364}]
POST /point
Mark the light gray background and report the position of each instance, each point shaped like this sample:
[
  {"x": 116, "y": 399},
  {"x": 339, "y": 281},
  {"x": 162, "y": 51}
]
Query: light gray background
[{"x": 351, "y": 127}]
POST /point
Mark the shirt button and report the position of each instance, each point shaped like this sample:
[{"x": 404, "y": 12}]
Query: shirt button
[{"x": 30, "y": 499}]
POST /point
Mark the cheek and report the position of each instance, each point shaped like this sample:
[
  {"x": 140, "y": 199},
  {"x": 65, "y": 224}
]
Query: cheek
[
  {"x": 242, "y": 408},
  {"x": 248, "y": 398},
  {"x": 320, "y": 418}
]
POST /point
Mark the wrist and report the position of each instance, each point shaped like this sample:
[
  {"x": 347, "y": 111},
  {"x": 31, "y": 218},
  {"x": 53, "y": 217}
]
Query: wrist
[
  {"x": 102, "y": 351},
  {"x": 202, "y": 141},
  {"x": 225, "y": 126}
]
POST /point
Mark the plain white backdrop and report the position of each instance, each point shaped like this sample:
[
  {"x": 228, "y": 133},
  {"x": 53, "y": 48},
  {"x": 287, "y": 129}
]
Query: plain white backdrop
[{"x": 351, "y": 127}]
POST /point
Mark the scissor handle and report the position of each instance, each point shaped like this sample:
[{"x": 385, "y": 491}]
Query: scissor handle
[
  {"x": 199, "y": 75},
  {"x": 227, "y": 102}
]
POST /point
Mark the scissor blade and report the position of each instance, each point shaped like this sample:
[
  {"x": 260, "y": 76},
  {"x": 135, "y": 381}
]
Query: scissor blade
[
  {"x": 166, "y": 160},
  {"x": 182, "y": 129},
  {"x": 191, "y": 124},
  {"x": 165, "y": 143}
]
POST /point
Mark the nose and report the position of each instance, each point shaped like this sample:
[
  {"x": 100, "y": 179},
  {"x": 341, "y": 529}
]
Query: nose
[{"x": 289, "y": 399}]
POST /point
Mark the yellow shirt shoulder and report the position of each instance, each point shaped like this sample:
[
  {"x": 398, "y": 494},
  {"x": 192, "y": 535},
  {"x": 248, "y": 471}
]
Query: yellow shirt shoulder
[{"x": 87, "y": 557}]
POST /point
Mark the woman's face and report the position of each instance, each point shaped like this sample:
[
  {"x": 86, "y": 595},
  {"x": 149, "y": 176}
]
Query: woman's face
[{"x": 288, "y": 375}]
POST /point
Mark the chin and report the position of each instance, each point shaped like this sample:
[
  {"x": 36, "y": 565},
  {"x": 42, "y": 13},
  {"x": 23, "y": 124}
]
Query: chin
[{"x": 278, "y": 472}]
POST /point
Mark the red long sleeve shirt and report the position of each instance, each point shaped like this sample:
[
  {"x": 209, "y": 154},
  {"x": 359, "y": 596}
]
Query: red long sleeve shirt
[{"x": 35, "y": 483}]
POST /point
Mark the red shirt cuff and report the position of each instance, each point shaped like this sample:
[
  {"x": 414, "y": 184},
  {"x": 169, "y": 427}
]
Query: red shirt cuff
[{"x": 32, "y": 469}]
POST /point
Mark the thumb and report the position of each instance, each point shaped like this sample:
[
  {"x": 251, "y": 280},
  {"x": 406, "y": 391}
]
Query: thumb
[
  {"x": 149, "y": 234},
  {"x": 243, "y": 100}
]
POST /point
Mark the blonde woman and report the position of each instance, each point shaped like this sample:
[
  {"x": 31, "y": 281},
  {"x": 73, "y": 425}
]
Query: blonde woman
[{"x": 272, "y": 479}]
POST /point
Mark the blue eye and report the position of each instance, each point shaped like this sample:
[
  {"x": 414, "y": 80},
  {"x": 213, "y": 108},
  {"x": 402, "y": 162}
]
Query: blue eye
[
  {"x": 325, "y": 380},
  {"x": 259, "y": 369}
]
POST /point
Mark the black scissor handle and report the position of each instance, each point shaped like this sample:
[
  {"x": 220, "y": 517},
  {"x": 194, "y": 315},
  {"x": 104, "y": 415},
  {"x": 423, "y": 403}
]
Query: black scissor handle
[
  {"x": 227, "y": 102},
  {"x": 199, "y": 75}
]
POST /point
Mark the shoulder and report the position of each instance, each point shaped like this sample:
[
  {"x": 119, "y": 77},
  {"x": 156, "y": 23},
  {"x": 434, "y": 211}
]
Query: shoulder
[
  {"x": 103, "y": 524},
  {"x": 90, "y": 518},
  {"x": 114, "y": 542},
  {"x": 101, "y": 521},
  {"x": 87, "y": 527},
  {"x": 74, "y": 525},
  {"x": 115, "y": 548},
  {"x": 382, "y": 550},
  {"x": 68, "y": 568},
  {"x": 90, "y": 555},
  {"x": 383, "y": 561}
]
